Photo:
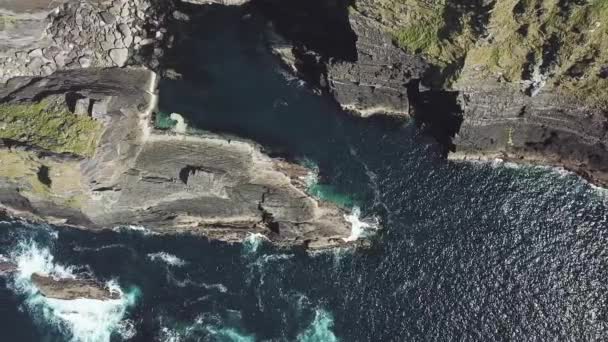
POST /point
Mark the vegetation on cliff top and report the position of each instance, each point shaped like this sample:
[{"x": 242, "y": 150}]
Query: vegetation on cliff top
[
  {"x": 62, "y": 179},
  {"x": 50, "y": 125},
  {"x": 564, "y": 43}
]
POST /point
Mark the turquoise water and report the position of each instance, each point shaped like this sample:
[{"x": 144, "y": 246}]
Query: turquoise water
[{"x": 475, "y": 252}]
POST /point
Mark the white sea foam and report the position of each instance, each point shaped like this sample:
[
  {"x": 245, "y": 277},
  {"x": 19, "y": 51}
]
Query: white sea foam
[
  {"x": 320, "y": 330},
  {"x": 253, "y": 241},
  {"x": 167, "y": 258},
  {"x": 134, "y": 228},
  {"x": 82, "y": 320},
  {"x": 360, "y": 228}
]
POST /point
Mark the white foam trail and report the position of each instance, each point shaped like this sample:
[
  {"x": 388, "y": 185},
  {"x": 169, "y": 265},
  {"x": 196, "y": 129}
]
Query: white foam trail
[
  {"x": 81, "y": 320},
  {"x": 167, "y": 258},
  {"x": 188, "y": 282},
  {"x": 359, "y": 228}
]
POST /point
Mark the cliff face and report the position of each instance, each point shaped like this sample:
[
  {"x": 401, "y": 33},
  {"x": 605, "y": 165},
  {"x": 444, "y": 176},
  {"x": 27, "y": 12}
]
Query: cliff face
[
  {"x": 519, "y": 80},
  {"x": 531, "y": 74}
]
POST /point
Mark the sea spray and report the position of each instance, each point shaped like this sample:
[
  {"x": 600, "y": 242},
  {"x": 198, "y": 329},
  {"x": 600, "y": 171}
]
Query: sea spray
[
  {"x": 320, "y": 330},
  {"x": 167, "y": 258},
  {"x": 253, "y": 241},
  {"x": 360, "y": 228},
  {"x": 134, "y": 228},
  {"x": 80, "y": 320}
]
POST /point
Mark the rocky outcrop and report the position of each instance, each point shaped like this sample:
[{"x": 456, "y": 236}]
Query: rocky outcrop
[
  {"x": 7, "y": 268},
  {"x": 71, "y": 288},
  {"x": 59, "y": 35},
  {"x": 486, "y": 79},
  {"x": 168, "y": 182},
  {"x": 376, "y": 83},
  {"x": 501, "y": 123}
]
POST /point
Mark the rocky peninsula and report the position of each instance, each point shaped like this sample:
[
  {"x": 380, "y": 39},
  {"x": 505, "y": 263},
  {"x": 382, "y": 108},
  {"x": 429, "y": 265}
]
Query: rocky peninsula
[{"x": 78, "y": 98}]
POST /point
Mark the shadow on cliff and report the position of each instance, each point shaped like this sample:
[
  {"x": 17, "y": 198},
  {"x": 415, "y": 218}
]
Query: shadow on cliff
[
  {"x": 319, "y": 30},
  {"x": 438, "y": 113}
]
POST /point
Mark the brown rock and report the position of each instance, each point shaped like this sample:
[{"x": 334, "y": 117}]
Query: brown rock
[{"x": 69, "y": 289}]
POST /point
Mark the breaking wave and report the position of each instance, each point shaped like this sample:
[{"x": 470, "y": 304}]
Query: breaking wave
[
  {"x": 80, "y": 320},
  {"x": 360, "y": 228},
  {"x": 320, "y": 330},
  {"x": 252, "y": 243}
]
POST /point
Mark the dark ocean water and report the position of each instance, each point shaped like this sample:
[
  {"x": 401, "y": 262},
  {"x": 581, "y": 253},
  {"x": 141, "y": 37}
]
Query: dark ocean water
[{"x": 475, "y": 252}]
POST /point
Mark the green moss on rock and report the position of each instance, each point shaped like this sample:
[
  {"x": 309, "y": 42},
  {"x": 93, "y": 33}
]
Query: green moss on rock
[
  {"x": 50, "y": 125},
  {"x": 504, "y": 40}
]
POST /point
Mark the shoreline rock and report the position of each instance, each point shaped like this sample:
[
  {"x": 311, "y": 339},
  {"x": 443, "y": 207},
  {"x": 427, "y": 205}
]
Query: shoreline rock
[
  {"x": 70, "y": 289},
  {"x": 168, "y": 182}
]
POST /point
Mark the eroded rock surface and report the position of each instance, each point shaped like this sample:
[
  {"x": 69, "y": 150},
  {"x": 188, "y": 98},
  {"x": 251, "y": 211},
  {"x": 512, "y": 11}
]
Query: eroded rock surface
[
  {"x": 38, "y": 37},
  {"x": 168, "y": 182},
  {"x": 70, "y": 289}
]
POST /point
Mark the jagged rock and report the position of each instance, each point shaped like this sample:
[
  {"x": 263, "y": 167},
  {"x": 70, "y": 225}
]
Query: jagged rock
[
  {"x": 119, "y": 56},
  {"x": 170, "y": 183},
  {"x": 69, "y": 289}
]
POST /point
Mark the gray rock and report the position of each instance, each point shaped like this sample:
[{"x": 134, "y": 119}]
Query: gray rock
[
  {"x": 207, "y": 185},
  {"x": 35, "y": 64},
  {"x": 107, "y": 17},
  {"x": 85, "y": 61},
  {"x": 124, "y": 30},
  {"x": 180, "y": 16},
  {"x": 60, "y": 60},
  {"x": 35, "y": 53},
  {"x": 119, "y": 56},
  {"x": 82, "y": 107},
  {"x": 100, "y": 108}
]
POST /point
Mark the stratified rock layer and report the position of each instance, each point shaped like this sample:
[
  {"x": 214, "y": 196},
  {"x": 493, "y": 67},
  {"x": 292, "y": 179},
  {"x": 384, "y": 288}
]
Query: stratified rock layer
[{"x": 167, "y": 182}]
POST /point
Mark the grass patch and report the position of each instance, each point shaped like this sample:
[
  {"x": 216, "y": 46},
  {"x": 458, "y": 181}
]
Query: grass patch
[
  {"x": 21, "y": 167},
  {"x": 50, "y": 125},
  {"x": 420, "y": 36},
  {"x": 561, "y": 37}
]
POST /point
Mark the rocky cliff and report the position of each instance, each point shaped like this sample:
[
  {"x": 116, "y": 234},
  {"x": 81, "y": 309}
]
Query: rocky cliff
[
  {"x": 124, "y": 172},
  {"x": 513, "y": 79}
]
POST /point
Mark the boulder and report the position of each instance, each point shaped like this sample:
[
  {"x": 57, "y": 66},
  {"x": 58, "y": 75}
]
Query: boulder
[{"x": 119, "y": 56}]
